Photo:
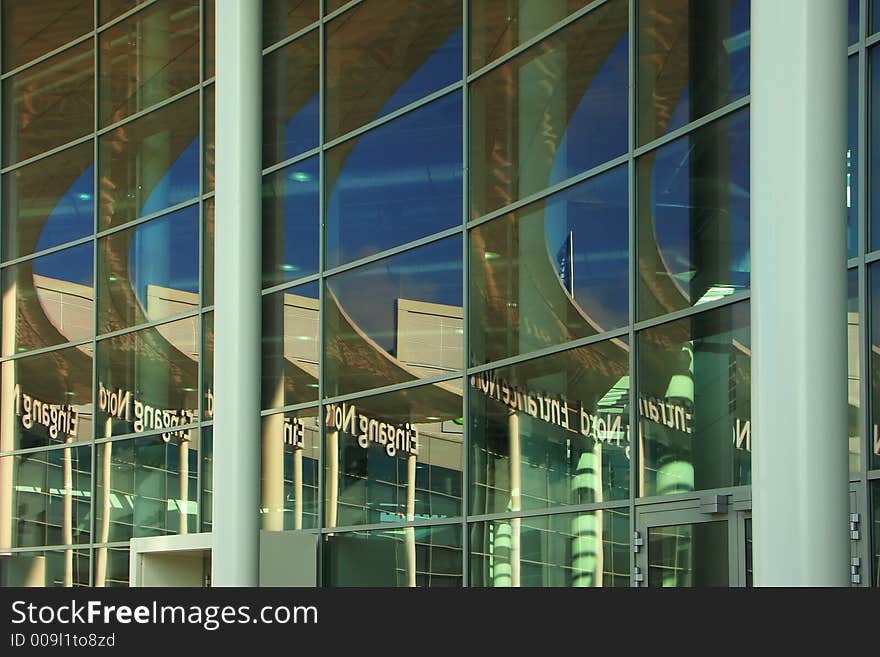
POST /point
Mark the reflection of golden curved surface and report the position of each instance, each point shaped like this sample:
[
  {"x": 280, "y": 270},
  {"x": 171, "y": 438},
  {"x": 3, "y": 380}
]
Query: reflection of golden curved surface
[
  {"x": 362, "y": 364},
  {"x": 673, "y": 56},
  {"x": 668, "y": 65},
  {"x": 380, "y": 61},
  {"x": 40, "y": 319},
  {"x": 167, "y": 350},
  {"x": 121, "y": 302},
  {"x": 523, "y": 139},
  {"x": 546, "y": 314}
]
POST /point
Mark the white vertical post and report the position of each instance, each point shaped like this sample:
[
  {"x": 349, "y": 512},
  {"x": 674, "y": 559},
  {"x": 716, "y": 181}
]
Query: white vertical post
[
  {"x": 798, "y": 255},
  {"x": 235, "y": 559}
]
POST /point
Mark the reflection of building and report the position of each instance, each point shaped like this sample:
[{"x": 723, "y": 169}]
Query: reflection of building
[{"x": 507, "y": 299}]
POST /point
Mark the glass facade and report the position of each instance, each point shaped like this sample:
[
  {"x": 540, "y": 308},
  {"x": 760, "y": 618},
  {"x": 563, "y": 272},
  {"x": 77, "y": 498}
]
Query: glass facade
[
  {"x": 106, "y": 228},
  {"x": 505, "y": 286}
]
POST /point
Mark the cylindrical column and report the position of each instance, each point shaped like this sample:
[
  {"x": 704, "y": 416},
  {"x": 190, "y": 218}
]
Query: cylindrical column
[
  {"x": 798, "y": 256},
  {"x": 235, "y": 560}
]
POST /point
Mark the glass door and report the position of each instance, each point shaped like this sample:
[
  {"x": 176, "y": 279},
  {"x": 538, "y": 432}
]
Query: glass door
[{"x": 693, "y": 544}]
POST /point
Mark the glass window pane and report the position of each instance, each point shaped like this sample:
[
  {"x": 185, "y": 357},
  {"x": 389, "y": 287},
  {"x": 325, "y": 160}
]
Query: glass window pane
[
  {"x": 291, "y": 222},
  {"x": 32, "y": 29},
  {"x": 207, "y": 479},
  {"x": 551, "y": 112},
  {"x": 290, "y": 99},
  {"x": 332, "y": 5},
  {"x": 405, "y": 557},
  {"x": 290, "y": 346},
  {"x": 693, "y": 57},
  {"x": 146, "y": 487},
  {"x": 552, "y": 271},
  {"x": 853, "y": 380},
  {"x": 396, "y": 183},
  {"x": 208, "y": 366},
  {"x": 552, "y": 431},
  {"x": 693, "y": 218},
  {"x": 110, "y": 567},
  {"x": 290, "y": 458},
  {"x": 875, "y": 16},
  {"x": 695, "y": 403},
  {"x": 149, "y": 272},
  {"x": 148, "y": 380},
  {"x": 110, "y": 9},
  {"x": 49, "y": 300},
  {"x": 853, "y": 20},
  {"x": 284, "y": 17},
  {"x": 49, "y": 202},
  {"x": 150, "y": 164},
  {"x": 149, "y": 57},
  {"x": 49, "y": 104},
  {"x": 385, "y": 54},
  {"x": 689, "y": 555},
  {"x": 49, "y": 568},
  {"x": 394, "y": 457},
  {"x": 496, "y": 28},
  {"x": 852, "y": 158},
  {"x": 586, "y": 549},
  {"x": 47, "y": 497},
  {"x": 210, "y": 26},
  {"x": 409, "y": 327},
  {"x": 47, "y": 399},
  {"x": 210, "y": 137},
  {"x": 208, "y": 253}
]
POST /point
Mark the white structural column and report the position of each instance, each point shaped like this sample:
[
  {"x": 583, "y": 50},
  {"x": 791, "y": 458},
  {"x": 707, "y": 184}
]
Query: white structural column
[
  {"x": 235, "y": 559},
  {"x": 798, "y": 255}
]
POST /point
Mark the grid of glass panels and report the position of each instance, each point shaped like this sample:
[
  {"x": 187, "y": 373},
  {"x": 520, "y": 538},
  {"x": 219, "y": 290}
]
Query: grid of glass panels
[
  {"x": 105, "y": 379},
  {"x": 474, "y": 233},
  {"x": 505, "y": 272}
]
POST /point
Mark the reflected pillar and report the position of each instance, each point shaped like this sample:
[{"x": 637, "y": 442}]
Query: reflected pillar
[
  {"x": 410, "y": 532},
  {"x": 274, "y": 362},
  {"x": 332, "y": 483},
  {"x": 183, "y": 481},
  {"x": 587, "y": 557},
  {"x": 8, "y": 417},
  {"x": 272, "y": 473},
  {"x": 272, "y": 381},
  {"x": 515, "y": 496},
  {"x": 235, "y": 559},
  {"x": 67, "y": 514},
  {"x": 104, "y": 533},
  {"x": 798, "y": 303},
  {"x": 297, "y": 488},
  {"x": 540, "y": 127}
]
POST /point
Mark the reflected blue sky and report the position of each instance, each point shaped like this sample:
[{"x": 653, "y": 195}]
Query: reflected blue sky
[
  {"x": 674, "y": 216},
  {"x": 180, "y": 183},
  {"x": 737, "y": 65},
  {"x": 73, "y": 264},
  {"x": 441, "y": 69},
  {"x": 400, "y": 181},
  {"x": 301, "y": 133},
  {"x": 158, "y": 255},
  {"x": 295, "y": 190},
  {"x": 73, "y": 216},
  {"x": 595, "y": 212},
  {"x": 597, "y": 129},
  {"x": 165, "y": 252}
]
